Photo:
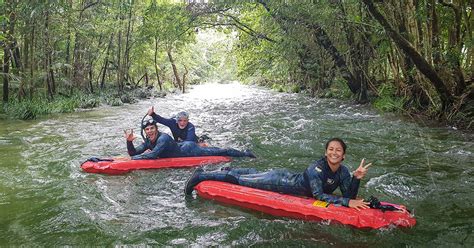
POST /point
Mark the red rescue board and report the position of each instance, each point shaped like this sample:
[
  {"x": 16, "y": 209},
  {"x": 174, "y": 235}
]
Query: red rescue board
[
  {"x": 124, "y": 165},
  {"x": 302, "y": 208}
]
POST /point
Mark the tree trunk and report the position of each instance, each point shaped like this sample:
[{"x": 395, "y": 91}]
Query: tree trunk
[
  {"x": 359, "y": 53},
  {"x": 25, "y": 79},
  {"x": 184, "y": 78},
  {"x": 447, "y": 99},
  {"x": 126, "y": 58},
  {"x": 32, "y": 60},
  {"x": 146, "y": 79},
  {"x": 413, "y": 88},
  {"x": 325, "y": 42},
  {"x": 106, "y": 62},
  {"x": 52, "y": 79},
  {"x": 136, "y": 84},
  {"x": 91, "y": 76},
  {"x": 455, "y": 46},
  {"x": 77, "y": 67},
  {"x": 175, "y": 70},
  {"x": 5, "y": 70},
  {"x": 157, "y": 68},
  {"x": 47, "y": 57},
  {"x": 434, "y": 28},
  {"x": 467, "y": 15},
  {"x": 17, "y": 57},
  {"x": 68, "y": 56},
  {"x": 119, "y": 59},
  {"x": 78, "y": 72},
  {"x": 8, "y": 30},
  {"x": 67, "y": 71}
]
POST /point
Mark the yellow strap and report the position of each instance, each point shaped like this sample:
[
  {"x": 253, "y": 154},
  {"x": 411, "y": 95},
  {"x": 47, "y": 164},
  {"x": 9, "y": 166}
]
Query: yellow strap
[{"x": 321, "y": 204}]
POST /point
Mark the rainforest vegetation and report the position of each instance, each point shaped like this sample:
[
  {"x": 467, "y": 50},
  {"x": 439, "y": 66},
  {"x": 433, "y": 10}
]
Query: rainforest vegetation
[{"x": 414, "y": 57}]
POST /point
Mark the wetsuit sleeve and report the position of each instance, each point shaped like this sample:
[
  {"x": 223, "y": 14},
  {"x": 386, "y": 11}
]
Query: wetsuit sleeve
[
  {"x": 164, "y": 121},
  {"x": 134, "y": 151},
  {"x": 317, "y": 190},
  {"x": 155, "y": 152},
  {"x": 349, "y": 185},
  {"x": 191, "y": 134}
]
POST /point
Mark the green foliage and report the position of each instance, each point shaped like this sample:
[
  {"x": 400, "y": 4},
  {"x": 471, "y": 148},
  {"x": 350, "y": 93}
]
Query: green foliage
[
  {"x": 65, "y": 105},
  {"x": 88, "y": 103},
  {"x": 260, "y": 59},
  {"x": 273, "y": 43},
  {"x": 338, "y": 90},
  {"x": 168, "y": 86},
  {"x": 211, "y": 57},
  {"x": 116, "y": 101},
  {"x": 3, "y": 21},
  {"x": 169, "y": 23},
  {"x": 278, "y": 87},
  {"x": 39, "y": 106},
  {"x": 31, "y": 109},
  {"x": 387, "y": 100},
  {"x": 24, "y": 110}
]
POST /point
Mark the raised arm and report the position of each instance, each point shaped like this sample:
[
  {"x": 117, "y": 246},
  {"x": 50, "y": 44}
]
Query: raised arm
[
  {"x": 350, "y": 185},
  {"x": 129, "y": 136},
  {"x": 164, "y": 121}
]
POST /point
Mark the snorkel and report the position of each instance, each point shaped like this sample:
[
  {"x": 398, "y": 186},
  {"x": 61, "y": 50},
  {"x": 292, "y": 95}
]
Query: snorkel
[{"x": 142, "y": 128}]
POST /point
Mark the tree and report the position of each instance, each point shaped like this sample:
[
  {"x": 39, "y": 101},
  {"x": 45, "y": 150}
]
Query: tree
[
  {"x": 169, "y": 27},
  {"x": 446, "y": 97}
]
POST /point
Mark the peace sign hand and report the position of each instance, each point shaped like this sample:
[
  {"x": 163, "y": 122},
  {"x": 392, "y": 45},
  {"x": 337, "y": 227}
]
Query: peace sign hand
[
  {"x": 129, "y": 135},
  {"x": 362, "y": 170}
]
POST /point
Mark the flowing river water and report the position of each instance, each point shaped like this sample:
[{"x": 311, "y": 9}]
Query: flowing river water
[{"x": 46, "y": 200}]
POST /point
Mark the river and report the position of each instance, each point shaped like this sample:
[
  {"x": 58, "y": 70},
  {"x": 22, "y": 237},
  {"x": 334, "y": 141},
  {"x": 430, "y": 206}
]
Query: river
[{"x": 46, "y": 200}]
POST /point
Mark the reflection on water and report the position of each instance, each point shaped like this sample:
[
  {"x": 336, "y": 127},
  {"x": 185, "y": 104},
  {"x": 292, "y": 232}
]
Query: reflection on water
[{"x": 46, "y": 199}]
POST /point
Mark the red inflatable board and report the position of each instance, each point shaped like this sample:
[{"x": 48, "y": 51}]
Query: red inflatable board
[
  {"x": 302, "y": 208},
  {"x": 124, "y": 165}
]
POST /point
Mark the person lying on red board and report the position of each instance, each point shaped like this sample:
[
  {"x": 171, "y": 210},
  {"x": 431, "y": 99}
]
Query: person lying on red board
[
  {"x": 319, "y": 180},
  {"x": 181, "y": 129},
  {"x": 162, "y": 145}
]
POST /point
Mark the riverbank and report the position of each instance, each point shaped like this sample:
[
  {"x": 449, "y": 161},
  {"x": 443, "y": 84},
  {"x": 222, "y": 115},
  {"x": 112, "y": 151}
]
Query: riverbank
[
  {"x": 387, "y": 103},
  {"x": 41, "y": 106}
]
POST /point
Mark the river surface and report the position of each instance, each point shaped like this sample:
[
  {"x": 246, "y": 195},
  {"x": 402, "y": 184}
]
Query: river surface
[{"x": 46, "y": 200}]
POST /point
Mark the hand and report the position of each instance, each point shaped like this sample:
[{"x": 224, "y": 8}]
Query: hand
[
  {"x": 129, "y": 135},
  {"x": 151, "y": 111},
  {"x": 403, "y": 209},
  {"x": 358, "y": 204},
  {"x": 362, "y": 170}
]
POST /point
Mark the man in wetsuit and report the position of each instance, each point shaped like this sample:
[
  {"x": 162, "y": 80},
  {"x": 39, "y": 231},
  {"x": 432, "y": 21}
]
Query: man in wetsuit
[
  {"x": 181, "y": 129},
  {"x": 319, "y": 180},
  {"x": 184, "y": 133},
  {"x": 156, "y": 144},
  {"x": 161, "y": 145}
]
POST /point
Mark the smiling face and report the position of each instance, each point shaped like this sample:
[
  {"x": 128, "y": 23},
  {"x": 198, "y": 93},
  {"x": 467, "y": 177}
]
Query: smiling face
[
  {"x": 182, "y": 123},
  {"x": 334, "y": 153},
  {"x": 151, "y": 132}
]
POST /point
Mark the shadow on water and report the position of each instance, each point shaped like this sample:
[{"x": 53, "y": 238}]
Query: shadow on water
[{"x": 46, "y": 199}]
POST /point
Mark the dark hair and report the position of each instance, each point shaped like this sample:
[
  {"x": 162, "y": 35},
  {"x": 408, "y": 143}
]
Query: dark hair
[{"x": 344, "y": 146}]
